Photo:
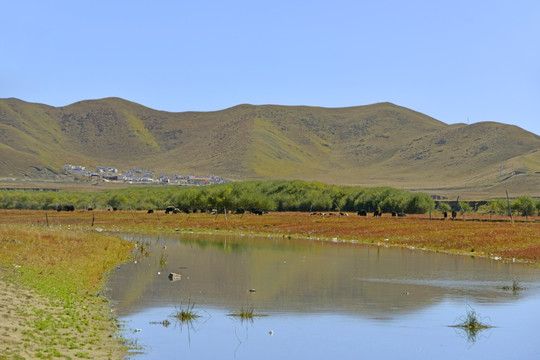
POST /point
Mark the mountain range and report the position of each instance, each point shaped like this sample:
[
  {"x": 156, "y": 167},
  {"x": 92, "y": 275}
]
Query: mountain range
[{"x": 372, "y": 145}]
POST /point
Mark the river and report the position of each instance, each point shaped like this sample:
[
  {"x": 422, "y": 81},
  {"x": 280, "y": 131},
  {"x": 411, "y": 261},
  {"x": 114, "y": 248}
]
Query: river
[{"x": 320, "y": 300}]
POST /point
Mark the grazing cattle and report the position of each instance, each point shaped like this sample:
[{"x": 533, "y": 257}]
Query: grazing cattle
[
  {"x": 377, "y": 212},
  {"x": 150, "y": 211},
  {"x": 65, "y": 208},
  {"x": 394, "y": 213},
  {"x": 257, "y": 212},
  {"x": 362, "y": 212},
  {"x": 445, "y": 214},
  {"x": 454, "y": 214},
  {"x": 186, "y": 211},
  {"x": 90, "y": 209},
  {"x": 343, "y": 214},
  {"x": 240, "y": 211},
  {"x": 402, "y": 214},
  {"x": 169, "y": 209}
]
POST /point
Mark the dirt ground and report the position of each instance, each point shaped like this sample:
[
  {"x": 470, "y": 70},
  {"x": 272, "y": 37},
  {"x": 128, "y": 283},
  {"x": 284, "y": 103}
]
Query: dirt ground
[{"x": 21, "y": 310}]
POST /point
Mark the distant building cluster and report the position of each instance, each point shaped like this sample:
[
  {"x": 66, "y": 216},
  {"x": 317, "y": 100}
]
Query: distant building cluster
[{"x": 106, "y": 173}]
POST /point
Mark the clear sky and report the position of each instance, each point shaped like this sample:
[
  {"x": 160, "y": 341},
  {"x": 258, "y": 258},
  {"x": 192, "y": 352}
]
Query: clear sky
[{"x": 456, "y": 61}]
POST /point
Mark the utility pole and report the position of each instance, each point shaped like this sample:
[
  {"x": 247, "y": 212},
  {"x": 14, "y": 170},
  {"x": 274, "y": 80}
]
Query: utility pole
[{"x": 509, "y": 208}]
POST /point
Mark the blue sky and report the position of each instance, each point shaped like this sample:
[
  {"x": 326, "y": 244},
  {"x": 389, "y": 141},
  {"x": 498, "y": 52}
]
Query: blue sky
[{"x": 456, "y": 61}]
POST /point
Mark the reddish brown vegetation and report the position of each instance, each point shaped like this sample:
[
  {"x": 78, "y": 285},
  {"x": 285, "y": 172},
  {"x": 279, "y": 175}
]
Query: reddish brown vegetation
[{"x": 508, "y": 240}]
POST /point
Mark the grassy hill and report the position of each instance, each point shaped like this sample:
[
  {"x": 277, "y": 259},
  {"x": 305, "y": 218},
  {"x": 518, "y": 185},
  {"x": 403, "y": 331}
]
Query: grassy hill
[{"x": 380, "y": 144}]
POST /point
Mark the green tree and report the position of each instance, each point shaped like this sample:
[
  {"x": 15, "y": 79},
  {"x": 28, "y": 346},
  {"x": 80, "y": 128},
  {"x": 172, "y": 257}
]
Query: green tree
[
  {"x": 465, "y": 207},
  {"x": 117, "y": 201},
  {"x": 443, "y": 207},
  {"x": 524, "y": 205},
  {"x": 494, "y": 207},
  {"x": 419, "y": 203}
]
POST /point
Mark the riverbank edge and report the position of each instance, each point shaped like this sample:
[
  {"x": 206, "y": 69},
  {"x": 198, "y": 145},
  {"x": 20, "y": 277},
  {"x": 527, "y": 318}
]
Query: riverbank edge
[
  {"x": 48, "y": 323},
  {"x": 23, "y": 312},
  {"x": 383, "y": 243}
]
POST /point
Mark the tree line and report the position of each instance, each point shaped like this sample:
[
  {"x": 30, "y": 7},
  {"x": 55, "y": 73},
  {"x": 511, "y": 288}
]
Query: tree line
[{"x": 279, "y": 195}]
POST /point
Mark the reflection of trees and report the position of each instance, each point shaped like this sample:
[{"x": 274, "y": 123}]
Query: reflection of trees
[
  {"x": 303, "y": 276},
  {"x": 222, "y": 245},
  {"x": 243, "y": 243}
]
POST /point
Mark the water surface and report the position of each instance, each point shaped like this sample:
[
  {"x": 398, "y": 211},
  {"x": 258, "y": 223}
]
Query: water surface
[{"x": 322, "y": 300}]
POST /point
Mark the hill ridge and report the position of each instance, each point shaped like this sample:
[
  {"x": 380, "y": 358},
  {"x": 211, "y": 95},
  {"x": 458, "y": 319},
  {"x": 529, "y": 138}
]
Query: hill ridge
[{"x": 375, "y": 144}]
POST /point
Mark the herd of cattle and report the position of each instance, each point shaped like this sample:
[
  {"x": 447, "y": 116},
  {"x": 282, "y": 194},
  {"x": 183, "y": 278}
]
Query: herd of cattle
[{"x": 175, "y": 210}]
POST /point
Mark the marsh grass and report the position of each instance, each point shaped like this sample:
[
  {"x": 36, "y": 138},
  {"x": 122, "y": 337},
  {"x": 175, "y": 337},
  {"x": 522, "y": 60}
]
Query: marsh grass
[
  {"x": 246, "y": 313},
  {"x": 472, "y": 323},
  {"x": 162, "y": 261},
  {"x": 142, "y": 250},
  {"x": 185, "y": 314},
  {"x": 515, "y": 287}
]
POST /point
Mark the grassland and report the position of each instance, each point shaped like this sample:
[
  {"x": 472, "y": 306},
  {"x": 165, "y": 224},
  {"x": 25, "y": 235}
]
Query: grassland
[{"x": 50, "y": 303}]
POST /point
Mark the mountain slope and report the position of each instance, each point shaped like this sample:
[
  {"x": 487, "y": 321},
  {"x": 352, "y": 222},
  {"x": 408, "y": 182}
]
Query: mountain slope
[{"x": 380, "y": 144}]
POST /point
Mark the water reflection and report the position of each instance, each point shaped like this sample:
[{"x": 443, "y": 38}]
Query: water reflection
[
  {"x": 327, "y": 299},
  {"x": 306, "y": 276}
]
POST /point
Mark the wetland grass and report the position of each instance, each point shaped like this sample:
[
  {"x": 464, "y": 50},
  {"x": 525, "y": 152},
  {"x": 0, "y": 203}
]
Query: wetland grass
[
  {"x": 515, "y": 287},
  {"x": 162, "y": 261},
  {"x": 246, "y": 313},
  {"x": 185, "y": 314},
  {"x": 472, "y": 324}
]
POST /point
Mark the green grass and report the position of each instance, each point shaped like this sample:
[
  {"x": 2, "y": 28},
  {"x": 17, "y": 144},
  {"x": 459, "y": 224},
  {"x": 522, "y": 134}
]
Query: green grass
[
  {"x": 66, "y": 270},
  {"x": 162, "y": 260},
  {"x": 185, "y": 314},
  {"x": 515, "y": 287},
  {"x": 246, "y": 313},
  {"x": 472, "y": 323}
]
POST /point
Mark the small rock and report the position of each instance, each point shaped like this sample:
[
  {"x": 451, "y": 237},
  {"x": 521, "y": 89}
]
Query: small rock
[{"x": 175, "y": 276}]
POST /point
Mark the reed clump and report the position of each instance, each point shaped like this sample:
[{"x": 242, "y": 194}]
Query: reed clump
[
  {"x": 515, "y": 287},
  {"x": 472, "y": 324},
  {"x": 246, "y": 313},
  {"x": 185, "y": 313}
]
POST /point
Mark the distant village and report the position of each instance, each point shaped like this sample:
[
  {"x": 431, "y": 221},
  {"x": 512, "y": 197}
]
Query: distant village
[{"x": 140, "y": 176}]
